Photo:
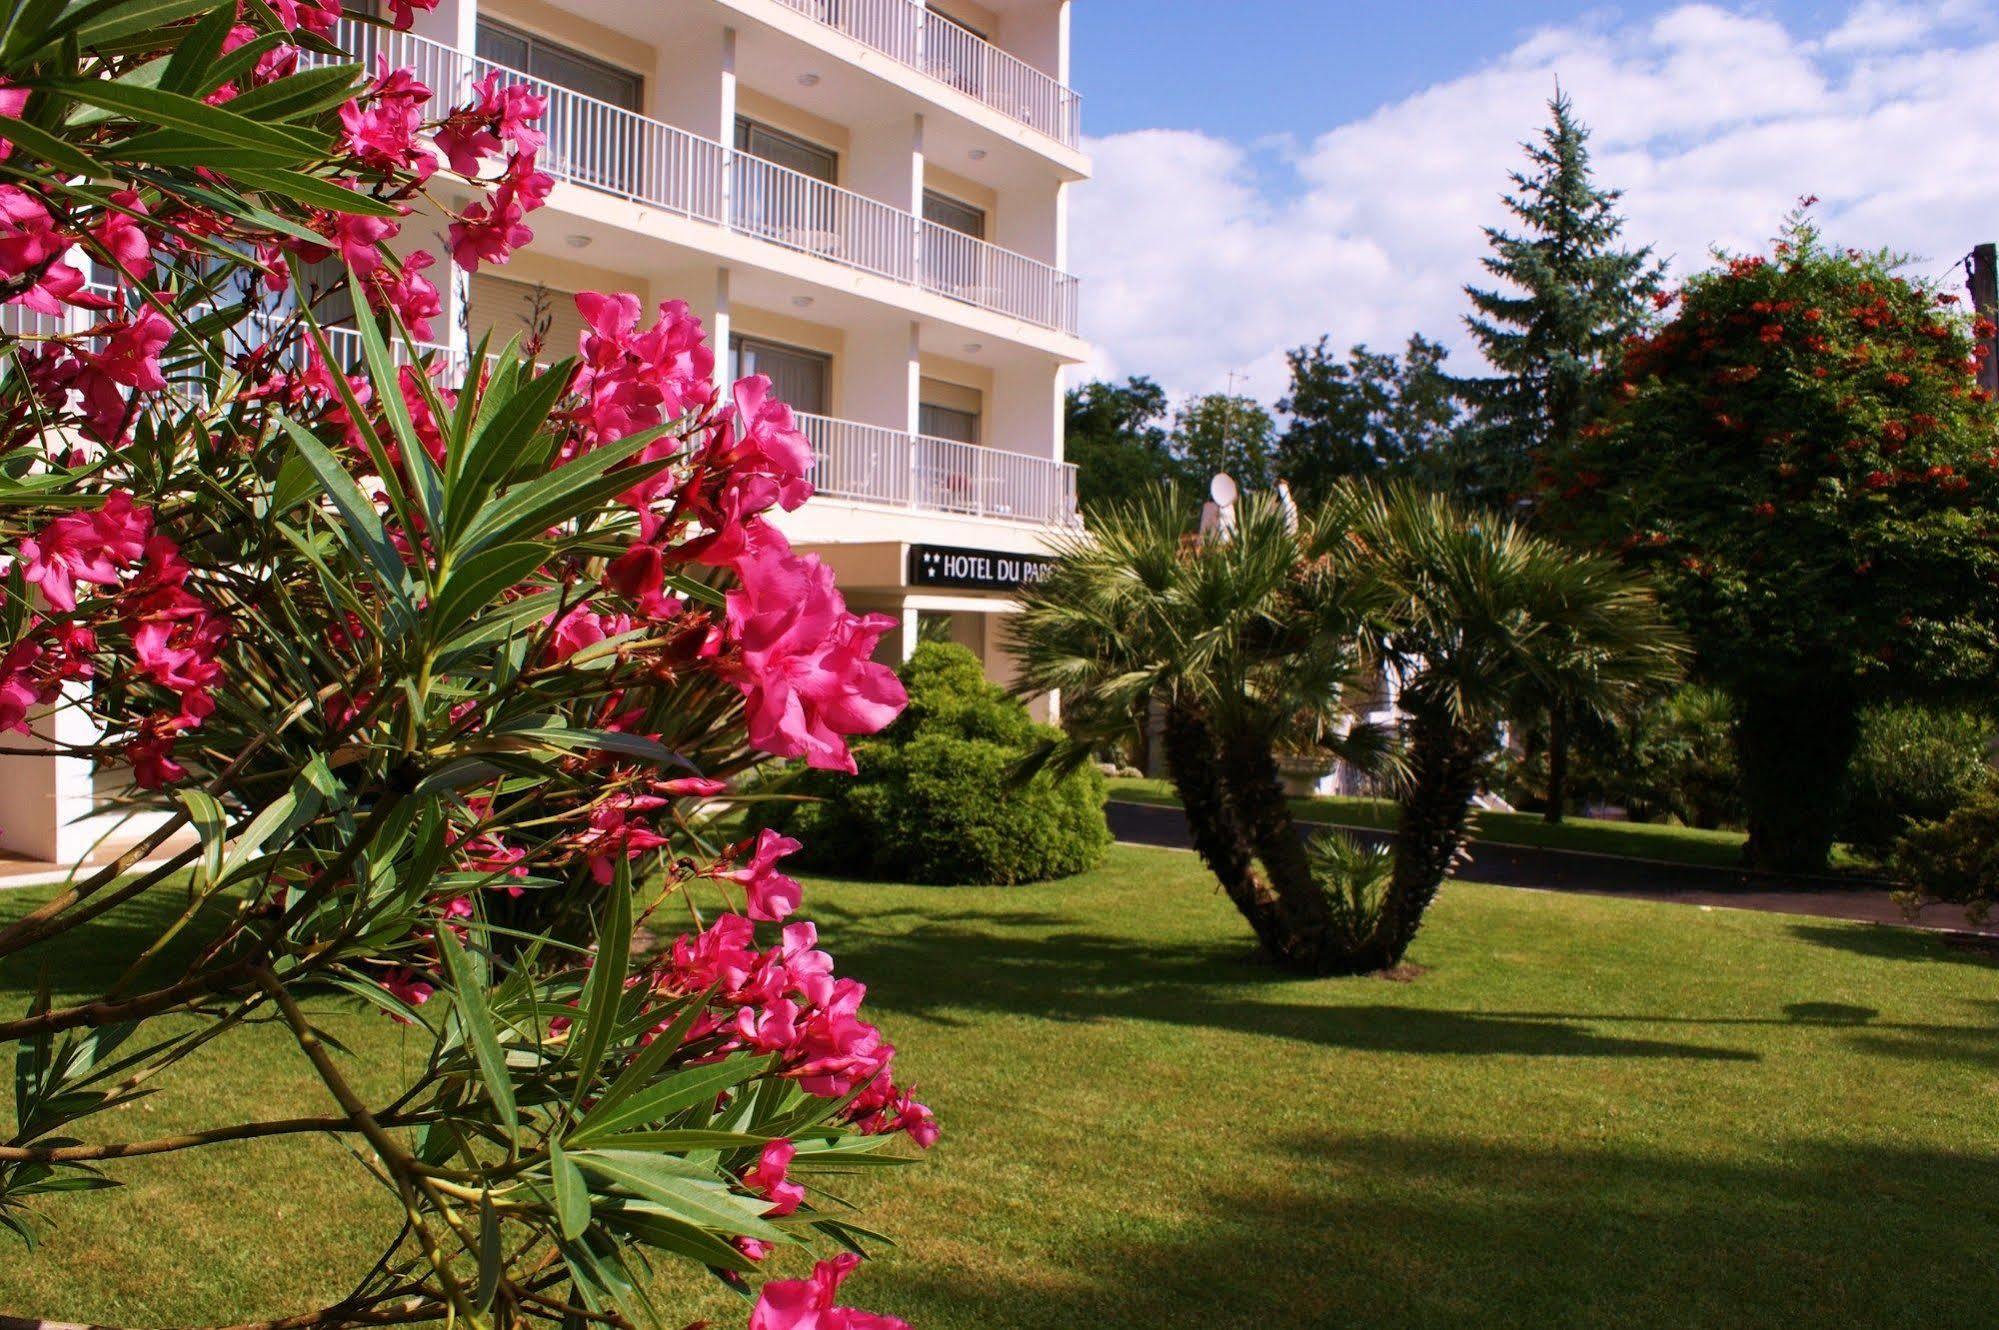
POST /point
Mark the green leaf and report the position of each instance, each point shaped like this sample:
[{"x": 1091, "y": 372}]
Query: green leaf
[
  {"x": 109, "y": 20},
  {"x": 198, "y": 51},
  {"x": 684, "y": 1089},
  {"x": 172, "y": 110},
  {"x": 56, "y": 152},
  {"x": 298, "y": 187},
  {"x": 469, "y": 992},
  {"x": 706, "y": 1204},
  {"x": 533, "y": 506},
  {"x": 468, "y": 589},
  {"x": 491, "y": 1254},
  {"x": 362, "y": 520},
  {"x": 496, "y": 438},
  {"x": 211, "y": 822},
  {"x": 605, "y": 988},
  {"x": 669, "y": 1234},
  {"x": 688, "y": 1139},
  {"x": 299, "y": 95},
  {"x": 572, "y": 1193}
]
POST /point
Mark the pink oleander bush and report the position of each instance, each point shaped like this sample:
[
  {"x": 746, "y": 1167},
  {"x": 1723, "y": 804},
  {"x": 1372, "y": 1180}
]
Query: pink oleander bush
[{"x": 422, "y": 675}]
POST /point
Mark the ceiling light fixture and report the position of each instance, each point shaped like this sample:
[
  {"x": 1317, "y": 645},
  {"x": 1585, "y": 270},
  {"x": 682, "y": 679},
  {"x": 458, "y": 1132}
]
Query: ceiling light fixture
[
  {"x": 808, "y": 80},
  {"x": 973, "y": 348},
  {"x": 803, "y": 302},
  {"x": 578, "y": 241},
  {"x": 977, "y": 154}
]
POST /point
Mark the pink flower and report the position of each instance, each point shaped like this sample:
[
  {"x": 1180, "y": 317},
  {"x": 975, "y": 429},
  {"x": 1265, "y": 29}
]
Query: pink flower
[
  {"x": 583, "y": 627},
  {"x": 402, "y": 11},
  {"x": 699, "y": 787},
  {"x": 130, "y": 359},
  {"x": 767, "y": 1179},
  {"x": 31, "y": 243},
  {"x": 410, "y": 988},
  {"x": 761, "y": 440},
  {"x": 632, "y": 378},
  {"x": 12, "y": 100},
  {"x": 359, "y": 238},
  {"x": 414, "y": 297},
  {"x": 489, "y": 234},
  {"x": 615, "y": 832},
  {"x": 22, "y": 686},
  {"x": 85, "y": 547},
  {"x": 771, "y": 894},
  {"x": 150, "y": 754},
  {"x": 807, "y": 1304},
  {"x": 381, "y": 128},
  {"x": 805, "y": 664},
  {"x": 123, "y": 237}
]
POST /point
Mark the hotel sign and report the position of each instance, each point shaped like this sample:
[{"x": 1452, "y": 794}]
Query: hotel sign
[{"x": 974, "y": 570}]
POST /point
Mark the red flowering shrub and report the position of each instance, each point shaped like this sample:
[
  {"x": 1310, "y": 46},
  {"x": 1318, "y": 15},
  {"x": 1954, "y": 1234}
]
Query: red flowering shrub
[
  {"x": 1804, "y": 459},
  {"x": 405, "y": 643}
]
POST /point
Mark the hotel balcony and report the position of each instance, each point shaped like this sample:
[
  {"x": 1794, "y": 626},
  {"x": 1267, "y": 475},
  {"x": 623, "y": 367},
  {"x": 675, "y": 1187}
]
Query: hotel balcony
[
  {"x": 633, "y": 157},
  {"x": 954, "y": 55},
  {"x": 875, "y": 465}
]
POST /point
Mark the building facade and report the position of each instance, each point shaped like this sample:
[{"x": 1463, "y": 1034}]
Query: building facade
[{"x": 865, "y": 200}]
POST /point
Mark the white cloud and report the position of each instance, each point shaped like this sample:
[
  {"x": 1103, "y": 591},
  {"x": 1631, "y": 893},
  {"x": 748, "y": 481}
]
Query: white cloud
[{"x": 1202, "y": 257}]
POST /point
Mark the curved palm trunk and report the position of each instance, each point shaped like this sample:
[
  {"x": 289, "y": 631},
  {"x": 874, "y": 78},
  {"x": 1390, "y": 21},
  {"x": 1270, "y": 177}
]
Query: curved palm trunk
[
  {"x": 1249, "y": 771},
  {"x": 1446, "y": 762},
  {"x": 1218, "y": 834}
]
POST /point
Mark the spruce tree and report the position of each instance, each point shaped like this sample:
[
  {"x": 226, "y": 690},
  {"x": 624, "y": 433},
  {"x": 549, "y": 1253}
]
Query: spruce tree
[{"x": 1571, "y": 295}]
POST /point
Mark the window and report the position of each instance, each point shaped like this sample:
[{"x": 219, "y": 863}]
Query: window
[
  {"x": 948, "y": 411},
  {"x": 798, "y": 377},
  {"x": 510, "y": 309},
  {"x": 597, "y": 145},
  {"x": 788, "y": 150},
  {"x": 949, "y": 212},
  {"x": 550, "y": 62}
]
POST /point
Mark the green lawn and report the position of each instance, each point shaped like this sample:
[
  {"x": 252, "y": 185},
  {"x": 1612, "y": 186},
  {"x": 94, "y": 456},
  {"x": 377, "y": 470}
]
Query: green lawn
[
  {"x": 1587, "y": 1112},
  {"x": 1631, "y": 840}
]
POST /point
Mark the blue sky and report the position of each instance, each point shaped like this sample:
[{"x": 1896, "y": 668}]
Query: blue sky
[
  {"x": 1308, "y": 65},
  {"x": 1268, "y": 172}
]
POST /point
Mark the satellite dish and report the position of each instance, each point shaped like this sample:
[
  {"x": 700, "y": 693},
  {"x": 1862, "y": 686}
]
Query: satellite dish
[{"x": 1223, "y": 489}]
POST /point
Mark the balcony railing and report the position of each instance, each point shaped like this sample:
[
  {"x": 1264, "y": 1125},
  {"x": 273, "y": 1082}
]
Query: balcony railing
[
  {"x": 620, "y": 152},
  {"x": 877, "y": 465},
  {"x": 909, "y": 34}
]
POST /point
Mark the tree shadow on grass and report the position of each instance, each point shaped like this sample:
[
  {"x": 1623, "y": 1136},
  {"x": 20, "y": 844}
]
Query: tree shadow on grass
[
  {"x": 1412, "y": 1231},
  {"x": 941, "y": 969},
  {"x": 1902, "y": 944}
]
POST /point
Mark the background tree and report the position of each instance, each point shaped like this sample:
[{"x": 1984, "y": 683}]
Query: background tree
[
  {"x": 1571, "y": 297},
  {"x": 1114, "y": 434},
  {"x": 1807, "y": 463},
  {"x": 1371, "y": 414},
  {"x": 1224, "y": 432}
]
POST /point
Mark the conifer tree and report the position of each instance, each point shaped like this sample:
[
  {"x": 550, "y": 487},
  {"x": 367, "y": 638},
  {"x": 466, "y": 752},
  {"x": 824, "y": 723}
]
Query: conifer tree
[{"x": 1569, "y": 296}]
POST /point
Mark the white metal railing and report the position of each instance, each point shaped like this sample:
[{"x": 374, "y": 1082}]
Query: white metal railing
[
  {"x": 620, "y": 152},
  {"x": 590, "y": 142},
  {"x": 800, "y": 212},
  {"x": 908, "y": 33},
  {"x": 967, "y": 268},
  {"x": 878, "y": 465}
]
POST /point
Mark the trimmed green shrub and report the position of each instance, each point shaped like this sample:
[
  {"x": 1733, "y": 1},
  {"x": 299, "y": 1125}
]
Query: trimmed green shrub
[
  {"x": 935, "y": 799},
  {"x": 1955, "y": 859},
  {"x": 1914, "y": 763}
]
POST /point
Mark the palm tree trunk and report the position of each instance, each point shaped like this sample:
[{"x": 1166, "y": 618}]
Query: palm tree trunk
[
  {"x": 1249, "y": 772},
  {"x": 1446, "y": 762},
  {"x": 1218, "y": 834},
  {"x": 1558, "y": 763}
]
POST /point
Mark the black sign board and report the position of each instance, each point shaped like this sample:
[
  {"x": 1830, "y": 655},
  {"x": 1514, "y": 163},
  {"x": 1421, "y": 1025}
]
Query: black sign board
[{"x": 974, "y": 570}]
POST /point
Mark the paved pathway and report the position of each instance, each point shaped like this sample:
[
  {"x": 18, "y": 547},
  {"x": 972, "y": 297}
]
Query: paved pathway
[{"x": 1607, "y": 875}]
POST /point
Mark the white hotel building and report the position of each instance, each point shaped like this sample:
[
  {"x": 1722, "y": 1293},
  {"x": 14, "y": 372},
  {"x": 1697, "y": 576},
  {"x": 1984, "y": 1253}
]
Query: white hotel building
[{"x": 863, "y": 199}]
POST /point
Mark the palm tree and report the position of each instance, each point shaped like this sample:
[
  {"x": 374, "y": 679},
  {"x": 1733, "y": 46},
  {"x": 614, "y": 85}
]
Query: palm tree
[
  {"x": 1240, "y": 643},
  {"x": 1484, "y": 620}
]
